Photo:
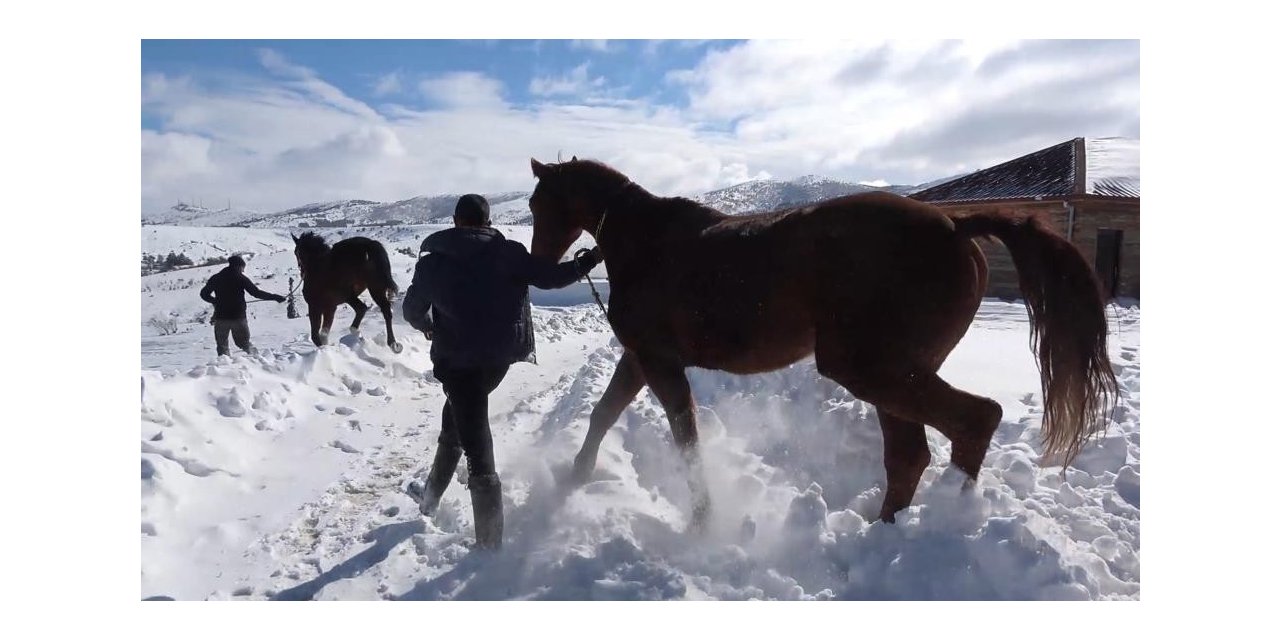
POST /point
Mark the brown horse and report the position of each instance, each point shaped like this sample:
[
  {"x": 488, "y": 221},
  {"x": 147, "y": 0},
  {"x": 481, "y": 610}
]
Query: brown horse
[
  {"x": 337, "y": 275},
  {"x": 879, "y": 288}
]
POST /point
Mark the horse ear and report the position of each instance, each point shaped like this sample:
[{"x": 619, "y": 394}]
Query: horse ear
[
  {"x": 295, "y": 238},
  {"x": 540, "y": 170},
  {"x": 574, "y": 159}
]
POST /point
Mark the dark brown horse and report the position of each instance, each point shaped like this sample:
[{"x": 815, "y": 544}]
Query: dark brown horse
[
  {"x": 337, "y": 275},
  {"x": 879, "y": 288}
]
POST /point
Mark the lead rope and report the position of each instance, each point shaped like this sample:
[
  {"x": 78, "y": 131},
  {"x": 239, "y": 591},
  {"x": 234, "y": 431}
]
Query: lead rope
[{"x": 587, "y": 274}]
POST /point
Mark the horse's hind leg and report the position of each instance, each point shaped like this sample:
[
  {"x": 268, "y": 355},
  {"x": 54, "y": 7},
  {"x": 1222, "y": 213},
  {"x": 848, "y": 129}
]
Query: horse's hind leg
[
  {"x": 360, "y": 308},
  {"x": 627, "y": 381},
  {"x": 383, "y": 300},
  {"x": 969, "y": 421},
  {"x": 668, "y": 382},
  {"x": 906, "y": 456},
  {"x": 921, "y": 397}
]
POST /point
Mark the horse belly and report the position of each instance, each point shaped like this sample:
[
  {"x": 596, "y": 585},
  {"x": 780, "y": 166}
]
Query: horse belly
[{"x": 749, "y": 331}]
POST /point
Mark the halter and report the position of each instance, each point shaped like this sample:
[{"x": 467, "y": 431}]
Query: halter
[{"x": 599, "y": 231}]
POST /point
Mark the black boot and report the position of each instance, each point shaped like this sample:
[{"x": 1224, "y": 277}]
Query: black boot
[
  {"x": 486, "y": 506},
  {"x": 429, "y": 493}
]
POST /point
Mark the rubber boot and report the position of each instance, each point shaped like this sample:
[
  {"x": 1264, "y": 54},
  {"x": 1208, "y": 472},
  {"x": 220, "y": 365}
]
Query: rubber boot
[
  {"x": 442, "y": 468},
  {"x": 486, "y": 506}
]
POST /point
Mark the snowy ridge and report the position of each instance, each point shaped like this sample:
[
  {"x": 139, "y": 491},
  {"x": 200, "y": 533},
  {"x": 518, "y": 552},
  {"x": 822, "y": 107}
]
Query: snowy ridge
[
  {"x": 505, "y": 208},
  {"x": 278, "y": 475},
  {"x": 767, "y": 195}
]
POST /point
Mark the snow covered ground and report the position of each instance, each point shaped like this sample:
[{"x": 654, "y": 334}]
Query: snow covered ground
[{"x": 278, "y": 475}]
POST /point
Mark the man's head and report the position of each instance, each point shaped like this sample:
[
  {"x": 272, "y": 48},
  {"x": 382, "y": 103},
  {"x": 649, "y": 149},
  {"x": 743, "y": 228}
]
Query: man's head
[
  {"x": 236, "y": 263},
  {"x": 472, "y": 211}
]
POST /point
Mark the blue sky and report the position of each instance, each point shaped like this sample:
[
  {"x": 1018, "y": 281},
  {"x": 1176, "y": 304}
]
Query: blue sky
[
  {"x": 383, "y": 71},
  {"x": 272, "y": 124}
]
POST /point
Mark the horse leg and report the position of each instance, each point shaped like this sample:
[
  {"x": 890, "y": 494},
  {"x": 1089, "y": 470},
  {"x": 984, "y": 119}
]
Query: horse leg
[
  {"x": 969, "y": 421},
  {"x": 316, "y": 318},
  {"x": 627, "y": 381},
  {"x": 383, "y": 301},
  {"x": 906, "y": 456},
  {"x": 327, "y": 323},
  {"x": 360, "y": 308},
  {"x": 671, "y": 386},
  {"x": 921, "y": 397}
]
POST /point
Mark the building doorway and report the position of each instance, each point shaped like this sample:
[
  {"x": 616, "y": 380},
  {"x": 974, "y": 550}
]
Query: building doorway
[{"x": 1107, "y": 261}]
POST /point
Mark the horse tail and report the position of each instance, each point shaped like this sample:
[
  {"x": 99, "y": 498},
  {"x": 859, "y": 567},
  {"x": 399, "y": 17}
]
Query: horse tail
[
  {"x": 382, "y": 266},
  {"x": 1068, "y": 326}
]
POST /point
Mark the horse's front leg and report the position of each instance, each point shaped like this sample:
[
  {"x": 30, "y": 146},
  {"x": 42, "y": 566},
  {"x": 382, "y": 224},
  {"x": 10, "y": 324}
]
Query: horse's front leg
[
  {"x": 326, "y": 323},
  {"x": 316, "y": 318},
  {"x": 627, "y": 381},
  {"x": 668, "y": 381}
]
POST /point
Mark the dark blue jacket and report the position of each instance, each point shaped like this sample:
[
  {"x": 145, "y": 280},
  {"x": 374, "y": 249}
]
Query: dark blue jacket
[
  {"x": 471, "y": 291},
  {"x": 226, "y": 289}
]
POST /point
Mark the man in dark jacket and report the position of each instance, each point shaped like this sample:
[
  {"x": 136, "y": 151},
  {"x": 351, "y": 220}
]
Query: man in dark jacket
[
  {"x": 470, "y": 296},
  {"x": 225, "y": 291}
]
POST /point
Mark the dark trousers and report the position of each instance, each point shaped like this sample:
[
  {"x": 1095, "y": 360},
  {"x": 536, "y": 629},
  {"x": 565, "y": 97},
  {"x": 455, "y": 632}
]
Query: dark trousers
[
  {"x": 465, "y": 428},
  {"x": 239, "y": 330}
]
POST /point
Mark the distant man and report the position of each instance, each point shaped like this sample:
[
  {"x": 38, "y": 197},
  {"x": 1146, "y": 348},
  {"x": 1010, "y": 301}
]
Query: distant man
[
  {"x": 470, "y": 296},
  {"x": 225, "y": 291}
]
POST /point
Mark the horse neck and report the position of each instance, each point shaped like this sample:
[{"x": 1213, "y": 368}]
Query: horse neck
[
  {"x": 317, "y": 265},
  {"x": 642, "y": 220}
]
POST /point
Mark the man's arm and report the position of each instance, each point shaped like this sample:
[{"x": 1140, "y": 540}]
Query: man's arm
[
  {"x": 544, "y": 274},
  {"x": 256, "y": 292},
  {"x": 206, "y": 293},
  {"x": 416, "y": 307}
]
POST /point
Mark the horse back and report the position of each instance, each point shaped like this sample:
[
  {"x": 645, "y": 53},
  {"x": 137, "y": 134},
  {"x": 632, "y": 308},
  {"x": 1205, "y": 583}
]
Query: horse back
[{"x": 771, "y": 278}]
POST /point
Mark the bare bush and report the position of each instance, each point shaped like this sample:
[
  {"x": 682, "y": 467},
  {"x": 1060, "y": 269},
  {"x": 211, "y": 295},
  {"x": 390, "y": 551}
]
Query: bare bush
[{"x": 164, "y": 325}]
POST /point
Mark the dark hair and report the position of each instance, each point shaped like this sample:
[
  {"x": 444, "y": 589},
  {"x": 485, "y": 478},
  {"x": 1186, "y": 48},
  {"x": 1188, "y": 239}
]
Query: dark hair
[
  {"x": 472, "y": 209},
  {"x": 235, "y": 261}
]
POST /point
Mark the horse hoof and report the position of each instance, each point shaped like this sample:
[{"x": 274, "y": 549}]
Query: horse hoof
[
  {"x": 581, "y": 471},
  {"x": 355, "y": 331},
  {"x": 396, "y": 347}
]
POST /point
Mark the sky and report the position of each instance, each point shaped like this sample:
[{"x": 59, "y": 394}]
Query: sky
[{"x": 268, "y": 125}]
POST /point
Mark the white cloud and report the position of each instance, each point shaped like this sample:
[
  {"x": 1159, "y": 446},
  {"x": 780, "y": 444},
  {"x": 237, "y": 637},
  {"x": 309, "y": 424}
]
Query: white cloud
[
  {"x": 463, "y": 89},
  {"x": 307, "y": 81},
  {"x": 895, "y": 112},
  {"x": 575, "y": 83},
  {"x": 388, "y": 84}
]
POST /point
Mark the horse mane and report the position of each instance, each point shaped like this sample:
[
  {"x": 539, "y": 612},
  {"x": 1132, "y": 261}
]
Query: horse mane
[{"x": 601, "y": 173}]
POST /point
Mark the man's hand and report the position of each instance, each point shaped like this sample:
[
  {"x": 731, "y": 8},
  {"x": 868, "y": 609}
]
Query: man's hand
[
  {"x": 279, "y": 298},
  {"x": 429, "y": 334},
  {"x": 587, "y": 259}
]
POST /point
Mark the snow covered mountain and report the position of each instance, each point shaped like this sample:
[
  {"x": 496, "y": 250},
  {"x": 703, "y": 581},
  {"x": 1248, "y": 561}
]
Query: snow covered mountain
[
  {"x": 767, "y": 195},
  {"x": 505, "y": 208},
  {"x": 183, "y": 214}
]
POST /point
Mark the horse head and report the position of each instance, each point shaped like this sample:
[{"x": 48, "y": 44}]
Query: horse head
[
  {"x": 308, "y": 248},
  {"x": 570, "y": 197}
]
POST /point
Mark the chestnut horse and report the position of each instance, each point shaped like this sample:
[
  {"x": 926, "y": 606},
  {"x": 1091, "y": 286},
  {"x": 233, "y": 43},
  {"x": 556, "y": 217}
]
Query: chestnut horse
[
  {"x": 337, "y": 275},
  {"x": 877, "y": 287}
]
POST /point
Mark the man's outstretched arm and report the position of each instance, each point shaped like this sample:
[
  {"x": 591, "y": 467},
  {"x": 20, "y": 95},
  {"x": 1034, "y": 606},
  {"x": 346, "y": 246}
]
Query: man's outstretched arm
[
  {"x": 544, "y": 274},
  {"x": 256, "y": 292}
]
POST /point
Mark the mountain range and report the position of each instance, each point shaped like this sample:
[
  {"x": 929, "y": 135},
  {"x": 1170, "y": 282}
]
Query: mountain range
[{"x": 505, "y": 208}]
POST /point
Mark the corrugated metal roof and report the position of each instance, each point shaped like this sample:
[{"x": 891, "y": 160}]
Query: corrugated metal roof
[{"x": 1111, "y": 169}]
